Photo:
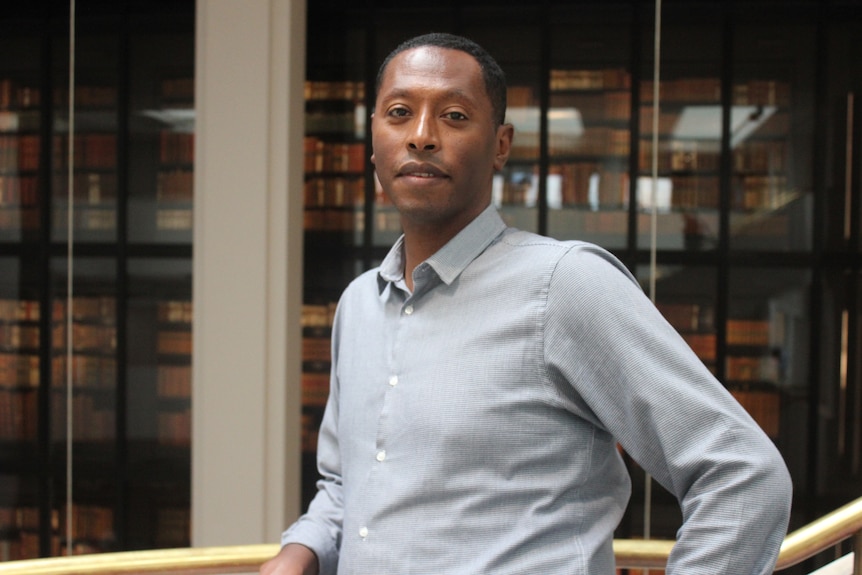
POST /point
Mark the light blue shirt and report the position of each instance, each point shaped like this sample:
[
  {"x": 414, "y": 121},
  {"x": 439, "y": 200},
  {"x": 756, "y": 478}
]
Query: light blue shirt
[{"x": 472, "y": 425}]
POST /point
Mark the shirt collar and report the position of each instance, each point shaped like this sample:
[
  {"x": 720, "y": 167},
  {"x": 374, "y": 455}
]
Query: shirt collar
[{"x": 452, "y": 258}]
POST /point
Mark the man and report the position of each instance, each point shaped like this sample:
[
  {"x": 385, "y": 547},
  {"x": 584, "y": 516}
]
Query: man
[{"x": 483, "y": 376}]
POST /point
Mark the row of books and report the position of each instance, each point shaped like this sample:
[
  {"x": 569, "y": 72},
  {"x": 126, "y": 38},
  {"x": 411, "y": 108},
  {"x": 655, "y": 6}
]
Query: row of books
[
  {"x": 175, "y": 428},
  {"x": 752, "y": 368},
  {"x": 174, "y": 219},
  {"x": 19, "y": 190},
  {"x": 309, "y": 433},
  {"x": 583, "y": 184},
  {"x": 592, "y": 141},
  {"x": 688, "y": 317},
  {"x": 760, "y": 192},
  {"x": 91, "y": 188},
  {"x": 96, "y": 151},
  {"x": 19, "y": 153},
  {"x": 316, "y": 323},
  {"x": 341, "y": 157},
  {"x": 593, "y": 107},
  {"x": 760, "y": 156},
  {"x": 18, "y": 414},
  {"x": 87, "y": 96},
  {"x": 84, "y": 308},
  {"x": 101, "y": 217},
  {"x": 349, "y": 123},
  {"x": 318, "y": 315},
  {"x": 338, "y": 90},
  {"x": 336, "y": 219},
  {"x": 175, "y": 185},
  {"x": 91, "y": 308},
  {"x": 173, "y": 527},
  {"x": 174, "y": 381},
  {"x": 595, "y": 79},
  {"x": 93, "y": 417},
  {"x": 679, "y": 157},
  {"x": 176, "y": 147},
  {"x": 92, "y": 528},
  {"x": 19, "y": 219},
  {"x": 91, "y": 217},
  {"x": 15, "y": 95},
  {"x": 16, "y": 336},
  {"x": 175, "y": 311},
  {"x": 704, "y": 90},
  {"x": 174, "y": 342},
  {"x": 14, "y": 310},
  {"x": 19, "y": 370},
  {"x": 763, "y": 406},
  {"x": 748, "y": 332},
  {"x": 89, "y": 522},
  {"x": 87, "y": 371},
  {"x": 178, "y": 89},
  {"x": 321, "y": 192},
  {"x": 86, "y": 337},
  {"x": 708, "y": 90}
]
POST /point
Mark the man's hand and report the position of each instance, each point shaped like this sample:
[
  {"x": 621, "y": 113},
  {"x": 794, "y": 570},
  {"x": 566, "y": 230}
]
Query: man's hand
[{"x": 293, "y": 559}]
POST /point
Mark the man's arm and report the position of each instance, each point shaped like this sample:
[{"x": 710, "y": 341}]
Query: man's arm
[
  {"x": 639, "y": 380},
  {"x": 293, "y": 559}
]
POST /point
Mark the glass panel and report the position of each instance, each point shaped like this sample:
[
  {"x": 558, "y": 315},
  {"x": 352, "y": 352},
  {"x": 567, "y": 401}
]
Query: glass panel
[
  {"x": 517, "y": 48},
  {"x": 843, "y": 113},
  {"x": 771, "y": 139},
  {"x": 20, "y": 337},
  {"x": 335, "y": 124},
  {"x": 686, "y": 192},
  {"x": 589, "y": 125},
  {"x": 93, "y": 409},
  {"x": 161, "y": 145},
  {"x": 95, "y": 144},
  {"x": 840, "y": 392},
  {"x": 337, "y": 175},
  {"x": 767, "y": 361},
  {"x": 158, "y": 402},
  {"x": 20, "y": 140}
]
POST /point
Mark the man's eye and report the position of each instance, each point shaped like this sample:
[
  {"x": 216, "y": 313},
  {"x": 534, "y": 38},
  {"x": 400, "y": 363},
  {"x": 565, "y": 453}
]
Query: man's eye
[
  {"x": 398, "y": 112},
  {"x": 456, "y": 116}
]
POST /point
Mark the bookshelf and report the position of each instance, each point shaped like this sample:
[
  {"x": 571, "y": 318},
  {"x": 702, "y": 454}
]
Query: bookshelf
[{"x": 113, "y": 357}]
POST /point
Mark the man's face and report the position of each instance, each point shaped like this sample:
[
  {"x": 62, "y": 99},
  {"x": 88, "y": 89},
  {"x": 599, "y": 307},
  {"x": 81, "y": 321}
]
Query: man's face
[{"x": 435, "y": 142}]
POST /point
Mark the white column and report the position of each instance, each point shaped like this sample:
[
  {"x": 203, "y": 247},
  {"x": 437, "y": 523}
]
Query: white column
[{"x": 250, "y": 70}]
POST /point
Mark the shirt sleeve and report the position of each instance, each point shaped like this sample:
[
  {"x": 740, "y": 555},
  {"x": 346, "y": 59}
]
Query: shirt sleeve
[
  {"x": 320, "y": 528},
  {"x": 629, "y": 372}
]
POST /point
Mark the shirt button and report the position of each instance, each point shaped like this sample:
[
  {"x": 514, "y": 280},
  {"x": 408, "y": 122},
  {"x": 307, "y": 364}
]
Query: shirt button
[
  {"x": 381, "y": 455},
  {"x": 363, "y": 532},
  {"x": 408, "y": 310},
  {"x": 393, "y": 380}
]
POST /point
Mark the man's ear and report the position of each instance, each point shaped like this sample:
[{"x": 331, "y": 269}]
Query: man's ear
[{"x": 505, "y": 134}]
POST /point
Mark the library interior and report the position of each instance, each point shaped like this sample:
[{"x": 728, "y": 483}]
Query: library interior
[{"x": 161, "y": 186}]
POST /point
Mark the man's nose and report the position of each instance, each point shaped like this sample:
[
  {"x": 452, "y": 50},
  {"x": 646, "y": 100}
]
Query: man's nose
[{"x": 424, "y": 134}]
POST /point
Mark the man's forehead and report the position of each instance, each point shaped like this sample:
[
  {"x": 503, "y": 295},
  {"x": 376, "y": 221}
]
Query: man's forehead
[{"x": 432, "y": 61}]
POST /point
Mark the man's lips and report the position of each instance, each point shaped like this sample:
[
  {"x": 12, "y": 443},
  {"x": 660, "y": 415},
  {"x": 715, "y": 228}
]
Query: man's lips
[{"x": 421, "y": 170}]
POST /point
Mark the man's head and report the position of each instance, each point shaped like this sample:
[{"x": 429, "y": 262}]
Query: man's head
[
  {"x": 436, "y": 136},
  {"x": 492, "y": 74}
]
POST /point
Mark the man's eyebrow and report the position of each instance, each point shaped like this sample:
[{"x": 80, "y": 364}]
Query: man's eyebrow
[{"x": 450, "y": 94}]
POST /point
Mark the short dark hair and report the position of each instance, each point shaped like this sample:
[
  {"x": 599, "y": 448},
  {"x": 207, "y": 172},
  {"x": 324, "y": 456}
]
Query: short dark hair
[{"x": 492, "y": 74}]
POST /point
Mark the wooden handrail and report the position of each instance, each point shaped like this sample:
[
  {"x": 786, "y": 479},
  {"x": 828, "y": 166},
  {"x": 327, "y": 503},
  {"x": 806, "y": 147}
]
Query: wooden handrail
[{"x": 831, "y": 529}]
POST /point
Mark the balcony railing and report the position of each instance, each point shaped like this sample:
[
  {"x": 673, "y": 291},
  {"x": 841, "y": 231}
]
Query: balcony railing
[{"x": 821, "y": 535}]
